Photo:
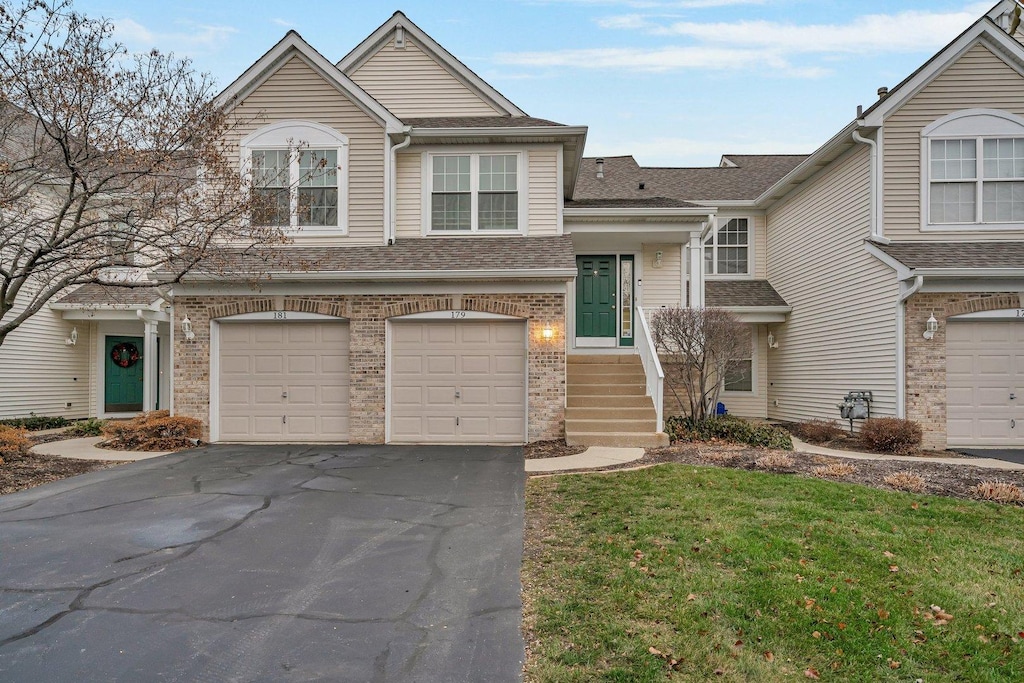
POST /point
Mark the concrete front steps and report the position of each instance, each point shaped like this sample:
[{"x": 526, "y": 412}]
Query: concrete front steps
[{"x": 607, "y": 403}]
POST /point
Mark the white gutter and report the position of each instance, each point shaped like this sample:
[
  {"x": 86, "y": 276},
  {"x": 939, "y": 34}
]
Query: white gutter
[
  {"x": 901, "y": 353},
  {"x": 553, "y": 132},
  {"x": 875, "y": 183},
  {"x": 696, "y": 214},
  {"x": 392, "y": 204},
  {"x": 970, "y": 272}
]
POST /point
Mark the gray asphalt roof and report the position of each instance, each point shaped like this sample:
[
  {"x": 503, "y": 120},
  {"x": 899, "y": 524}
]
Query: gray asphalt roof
[
  {"x": 957, "y": 254},
  {"x": 638, "y": 203},
  {"x": 730, "y": 293},
  {"x": 751, "y": 176},
  {"x": 105, "y": 295}
]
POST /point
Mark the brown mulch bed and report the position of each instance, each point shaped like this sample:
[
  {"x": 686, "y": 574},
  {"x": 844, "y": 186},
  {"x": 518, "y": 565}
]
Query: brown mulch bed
[
  {"x": 550, "y": 449},
  {"x": 26, "y": 471},
  {"x": 957, "y": 481},
  {"x": 853, "y": 443}
]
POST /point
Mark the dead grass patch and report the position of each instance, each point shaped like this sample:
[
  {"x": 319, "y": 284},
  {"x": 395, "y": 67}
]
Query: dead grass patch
[
  {"x": 999, "y": 491},
  {"x": 906, "y": 481},
  {"x": 774, "y": 462},
  {"x": 834, "y": 470}
]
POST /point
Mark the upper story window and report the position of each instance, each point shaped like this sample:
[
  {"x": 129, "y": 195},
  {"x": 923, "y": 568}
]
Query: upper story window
[
  {"x": 299, "y": 173},
  {"x": 476, "y": 192},
  {"x": 973, "y": 171},
  {"x": 727, "y": 250}
]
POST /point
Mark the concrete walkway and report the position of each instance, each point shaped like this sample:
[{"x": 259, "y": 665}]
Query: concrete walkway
[
  {"x": 988, "y": 463},
  {"x": 86, "y": 449},
  {"x": 592, "y": 458}
]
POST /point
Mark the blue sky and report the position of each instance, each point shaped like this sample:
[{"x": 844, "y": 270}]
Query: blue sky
[{"x": 673, "y": 82}]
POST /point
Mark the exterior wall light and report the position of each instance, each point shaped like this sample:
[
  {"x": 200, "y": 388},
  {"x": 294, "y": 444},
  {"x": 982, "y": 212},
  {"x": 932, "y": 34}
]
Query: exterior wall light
[
  {"x": 658, "y": 255},
  {"x": 547, "y": 332},
  {"x": 186, "y": 329},
  {"x": 772, "y": 342},
  {"x": 73, "y": 338},
  {"x": 931, "y": 327}
]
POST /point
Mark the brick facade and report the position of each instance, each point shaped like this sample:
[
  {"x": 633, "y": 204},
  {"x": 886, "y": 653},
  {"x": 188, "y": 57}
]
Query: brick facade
[
  {"x": 367, "y": 315},
  {"x": 926, "y": 359}
]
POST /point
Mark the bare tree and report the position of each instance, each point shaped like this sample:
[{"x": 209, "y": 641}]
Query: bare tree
[
  {"x": 111, "y": 164},
  {"x": 701, "y": 346}
]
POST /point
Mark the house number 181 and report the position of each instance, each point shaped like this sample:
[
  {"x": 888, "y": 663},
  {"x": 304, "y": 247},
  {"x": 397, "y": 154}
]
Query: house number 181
[{"x": 280, "y": 315}]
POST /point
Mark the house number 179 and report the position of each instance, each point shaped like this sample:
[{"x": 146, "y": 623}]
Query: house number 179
[{"x": 458, "y": 314}]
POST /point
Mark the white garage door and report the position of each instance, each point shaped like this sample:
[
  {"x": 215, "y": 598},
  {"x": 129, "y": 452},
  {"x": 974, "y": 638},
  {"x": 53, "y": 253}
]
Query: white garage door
[
  {"x": 984, "y": 369},
  {"x": 458, "y": 382},
  {"x": 284, "y": 382}
]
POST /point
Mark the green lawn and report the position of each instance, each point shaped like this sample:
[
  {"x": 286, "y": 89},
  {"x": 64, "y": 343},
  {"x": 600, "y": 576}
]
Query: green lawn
[{"x": 739, "y": 575}]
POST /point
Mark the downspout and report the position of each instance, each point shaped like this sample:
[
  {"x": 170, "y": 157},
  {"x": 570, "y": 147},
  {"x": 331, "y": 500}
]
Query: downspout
[
  {"x": 901, "y": 352},
  {"x": 393, "y": 185},
  {"x": 876, "y": 223}
]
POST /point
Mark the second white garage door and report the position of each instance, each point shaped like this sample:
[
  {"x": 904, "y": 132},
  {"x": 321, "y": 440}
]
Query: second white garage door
[
  {"x": 985, "y": 383},
  {"x": 458, "y": 382},
  {"x": 284, "y": 382}
]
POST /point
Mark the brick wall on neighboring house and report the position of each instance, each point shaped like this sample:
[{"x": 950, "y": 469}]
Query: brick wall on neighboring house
[
  {"x": 367, "y": 315},
  {"x": 926, "y": 359}
]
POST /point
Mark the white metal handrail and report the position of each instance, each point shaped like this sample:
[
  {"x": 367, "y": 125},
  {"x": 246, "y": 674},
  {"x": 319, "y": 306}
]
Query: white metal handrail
[{"x": 652, "y": 367}]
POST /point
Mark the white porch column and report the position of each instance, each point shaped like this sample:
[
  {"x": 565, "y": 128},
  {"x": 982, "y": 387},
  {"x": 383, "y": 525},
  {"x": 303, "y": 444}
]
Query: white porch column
[
  {"x": 696, "y": 272},
  {"x": 150, "y": 368}
]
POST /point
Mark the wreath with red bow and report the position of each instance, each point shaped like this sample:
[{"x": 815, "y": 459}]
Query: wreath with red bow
[{"x": 125, "y": 354}]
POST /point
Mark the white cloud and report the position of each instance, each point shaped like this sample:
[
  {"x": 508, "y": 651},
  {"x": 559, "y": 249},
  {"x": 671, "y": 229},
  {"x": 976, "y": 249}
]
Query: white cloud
[
  {"x": 655, "y": 4},
  {"x": 678, "y": 151},
  {"x": 194, "y": 39},
  {"x": 282, "y": 22}
]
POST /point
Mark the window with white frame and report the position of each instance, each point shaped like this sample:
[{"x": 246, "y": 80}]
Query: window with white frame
[
  {"x": 298, "y": 171},
  {"x": 727, "y": 250},
  {"x": 739, "y": 376},
  {"x": 973, "y": 165},
  {"x": 474, "y": 192}
]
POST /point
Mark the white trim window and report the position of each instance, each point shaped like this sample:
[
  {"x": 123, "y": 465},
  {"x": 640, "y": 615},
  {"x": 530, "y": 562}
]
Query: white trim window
[
  {"x": 475, "y": 192},
  {"x": 727, "y": 250},
  {"x": 739, "y": 377},
  {"x": 298, "y": 171},
  {"x": 973, "y": 171}
]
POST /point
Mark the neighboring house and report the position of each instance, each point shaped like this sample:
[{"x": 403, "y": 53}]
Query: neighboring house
[{"x": 461, "y": 274}]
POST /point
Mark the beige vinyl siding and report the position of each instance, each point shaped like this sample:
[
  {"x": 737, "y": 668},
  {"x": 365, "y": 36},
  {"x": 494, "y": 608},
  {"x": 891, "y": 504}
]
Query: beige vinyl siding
[
  {"x": 665, "y": 286},
  {"x": 39, "y": 373},
  {"x": 978, "y": 79},
  {"x": 841, "y": 334},
  {"x": 411, "y": 83},
  {"x": 296, "y": 91},
  {"x": 409, "y": 195},
  {"x": 752, "y": 405},
  {"x": 545, "y": 191}
]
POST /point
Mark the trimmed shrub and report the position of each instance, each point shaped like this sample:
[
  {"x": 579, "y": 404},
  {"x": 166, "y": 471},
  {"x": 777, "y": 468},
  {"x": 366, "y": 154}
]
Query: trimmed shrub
[
  {"x": 818, "y": 431},
  {"x": 14, "y": 442},
  {"x": 774, "y": 462},
  {"x": 90, "y": 427},
  {"x": 905, "y": 481},
  {"x": 834, "y": 470},
  {"x": 35, "y": 423},
  {"x": 728, "y": 428},
  {"x": 999, "y": 491},
  {"x": 891, "y": 435},
  {"x": 153, "y": 431}
]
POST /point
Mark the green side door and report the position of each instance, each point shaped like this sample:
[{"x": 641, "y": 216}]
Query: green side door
[
  {"x": 595, "y": 296},
  {"x": 122, "y": 375}
]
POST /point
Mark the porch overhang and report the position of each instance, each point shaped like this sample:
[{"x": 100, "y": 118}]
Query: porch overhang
[{"x": 760, "y": 314}]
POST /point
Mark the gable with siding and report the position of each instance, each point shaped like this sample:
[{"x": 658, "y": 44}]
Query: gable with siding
[
  {"x": 412, "y": 83},
  {"x": 297, "y": 91},
  {"x": 978, "y": 79}
]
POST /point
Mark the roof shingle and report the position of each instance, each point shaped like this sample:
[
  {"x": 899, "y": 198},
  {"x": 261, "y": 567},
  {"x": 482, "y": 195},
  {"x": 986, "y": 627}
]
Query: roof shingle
[
  {"x": 957, "y": 254},
  {"x": 108, "y": 295},
  {"x": 733, "y": 293}
]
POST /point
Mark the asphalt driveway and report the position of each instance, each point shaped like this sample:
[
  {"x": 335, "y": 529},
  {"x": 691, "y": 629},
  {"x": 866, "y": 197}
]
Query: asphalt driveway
[{"x": 269, "y": 563}]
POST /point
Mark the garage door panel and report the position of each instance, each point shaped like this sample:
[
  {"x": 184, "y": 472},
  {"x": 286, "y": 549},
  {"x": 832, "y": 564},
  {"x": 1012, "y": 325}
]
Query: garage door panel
[
  {"x": 284, "y": 381},
  {"x": 483, "y": 361},
  {"x": 984, "y": 362}
]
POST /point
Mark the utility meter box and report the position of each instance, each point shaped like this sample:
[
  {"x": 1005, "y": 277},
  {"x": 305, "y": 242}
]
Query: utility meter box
[{"x": 856, "y": 405}]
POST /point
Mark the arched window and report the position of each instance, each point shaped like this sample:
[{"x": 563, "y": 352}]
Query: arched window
[
  {"x": 972, "y": 165},
  {"x": 299, "y": 175}
]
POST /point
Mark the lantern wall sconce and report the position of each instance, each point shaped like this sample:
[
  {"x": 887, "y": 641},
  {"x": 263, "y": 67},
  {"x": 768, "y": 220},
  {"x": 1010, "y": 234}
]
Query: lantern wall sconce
[
  {"x": 773, "y": 343},
  {"x": 548, "y": 332},
  {"x": 658, "y": 256},
  {"x": 186, "y": 329},
  {"x": 73, "y": 338},
  {"x": 931, "y": 327}
]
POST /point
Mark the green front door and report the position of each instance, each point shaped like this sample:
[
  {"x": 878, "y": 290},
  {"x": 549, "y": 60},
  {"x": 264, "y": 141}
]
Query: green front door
[
  {"x": 123, "y": 375},
  {"x": 595, "y": 296}
]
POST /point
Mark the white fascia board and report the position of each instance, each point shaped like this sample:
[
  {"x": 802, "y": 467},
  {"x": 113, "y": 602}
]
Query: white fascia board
[
  {"x": 969, "y": 272},
  {"x": 902, "y": 271},
  {"x": 362, "y": 52},
  {"x": 127, "y": 314},
  {"x": 685, "y": 230},
  {"x": 760, "y": 314},
  {"x": 275, "y": 57},
  {"x": 758, "y": 309},
  {"x": 818, "y": 160},
  {"x": 391, "y": 275},
  {"x": 638, "y": 213},
  {"x": 100, "y": 307},
  {"x": 984, "y": 30}
]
